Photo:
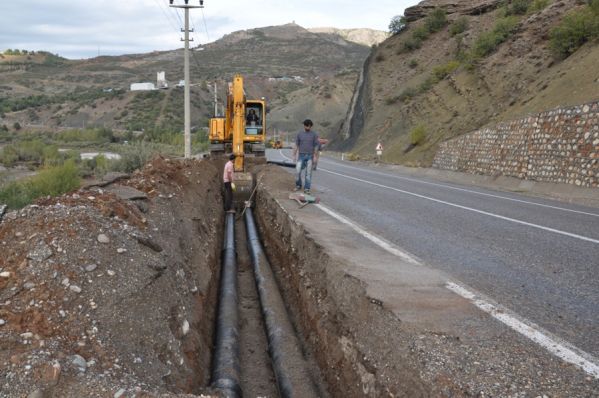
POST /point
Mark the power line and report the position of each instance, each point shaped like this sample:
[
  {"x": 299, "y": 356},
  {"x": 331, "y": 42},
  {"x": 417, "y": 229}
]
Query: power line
[
  {"x": 205, "y": 26},
  {"x": 166, "y": 15},
  {"x": 178, "y": 16}
]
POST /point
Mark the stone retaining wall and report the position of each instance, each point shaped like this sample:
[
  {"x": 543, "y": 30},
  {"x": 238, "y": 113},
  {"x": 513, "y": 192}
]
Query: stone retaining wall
[{"x": 560, "y": 145}]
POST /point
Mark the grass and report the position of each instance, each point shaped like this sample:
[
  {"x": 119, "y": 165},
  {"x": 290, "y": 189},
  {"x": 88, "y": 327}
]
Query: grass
[{"x": 53, "y": 181}]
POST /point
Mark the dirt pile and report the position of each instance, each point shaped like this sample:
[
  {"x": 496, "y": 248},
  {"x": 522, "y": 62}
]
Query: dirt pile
[{"x": 102, "y": 296}]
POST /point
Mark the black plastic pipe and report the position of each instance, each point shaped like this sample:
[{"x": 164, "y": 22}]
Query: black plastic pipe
[
  {"x": 283, "y": 163},
  {"x": 289, "y": 365},
  {"x": 225, "y": 362}
]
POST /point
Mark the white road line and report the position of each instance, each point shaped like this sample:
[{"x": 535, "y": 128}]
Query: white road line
[
  {"x": 375, "y": 239},
  {"x": 557, "y": 231},
  {"x": 464, "y": 190},
  {"x": 553, "y": 344}
]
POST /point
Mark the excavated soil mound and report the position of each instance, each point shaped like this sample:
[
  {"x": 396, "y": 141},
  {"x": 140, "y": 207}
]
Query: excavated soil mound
[{"x": 108, "y": 297}]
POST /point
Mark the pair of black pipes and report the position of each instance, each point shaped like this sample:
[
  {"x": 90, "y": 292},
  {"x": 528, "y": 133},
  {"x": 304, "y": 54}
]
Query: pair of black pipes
[{"x": 289, "y": 366}]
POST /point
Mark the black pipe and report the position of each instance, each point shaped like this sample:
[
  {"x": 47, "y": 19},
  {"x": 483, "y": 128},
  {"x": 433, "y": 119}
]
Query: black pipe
[
  {"x": 289, "y": 365},
  {"x": 283, "y": 163},
  {"x": 225, "y": 362}
]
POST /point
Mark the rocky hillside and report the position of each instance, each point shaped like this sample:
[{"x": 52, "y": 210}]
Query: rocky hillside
[
  {"x": 367, "y": 37},
  {"x": 281, "y": 63},
  {"x": 487, "y": 62}
]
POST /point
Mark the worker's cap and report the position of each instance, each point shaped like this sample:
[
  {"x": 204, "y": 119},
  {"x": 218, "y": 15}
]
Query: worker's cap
[
  {"x": 232, "y": 156},
  {"x": 308, "y": 122}
]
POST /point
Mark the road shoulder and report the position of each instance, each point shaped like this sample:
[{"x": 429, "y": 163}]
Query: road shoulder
[{"x": 408, "y": 333}]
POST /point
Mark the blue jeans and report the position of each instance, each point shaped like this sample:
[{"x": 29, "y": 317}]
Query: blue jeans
[{"x": 304, "y": 161}]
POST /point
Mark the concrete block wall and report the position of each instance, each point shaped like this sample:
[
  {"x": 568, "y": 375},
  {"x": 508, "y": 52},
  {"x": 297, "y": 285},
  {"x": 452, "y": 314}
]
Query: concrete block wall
[{"x": 560, "y": 145}]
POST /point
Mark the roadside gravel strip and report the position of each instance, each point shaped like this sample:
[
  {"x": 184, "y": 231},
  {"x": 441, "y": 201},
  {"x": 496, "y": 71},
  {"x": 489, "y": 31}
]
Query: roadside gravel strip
[
  {"x": 385, "y": 323},
  {"x": 553, "y": 344}
]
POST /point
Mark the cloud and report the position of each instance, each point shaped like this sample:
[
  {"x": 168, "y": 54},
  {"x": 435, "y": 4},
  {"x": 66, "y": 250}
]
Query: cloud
[{"x": 81, "y": 29}]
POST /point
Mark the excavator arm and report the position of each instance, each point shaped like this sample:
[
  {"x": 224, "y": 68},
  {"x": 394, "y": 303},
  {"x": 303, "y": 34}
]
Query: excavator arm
[{"x": 238, "y": 122}]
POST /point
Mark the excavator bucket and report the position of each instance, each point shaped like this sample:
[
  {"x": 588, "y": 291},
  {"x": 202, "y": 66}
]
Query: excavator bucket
[{"x": 244, "y": 185}]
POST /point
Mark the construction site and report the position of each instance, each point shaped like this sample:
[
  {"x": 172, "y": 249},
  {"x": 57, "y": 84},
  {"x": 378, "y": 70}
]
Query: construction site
[{"x": 430, "y": 231}]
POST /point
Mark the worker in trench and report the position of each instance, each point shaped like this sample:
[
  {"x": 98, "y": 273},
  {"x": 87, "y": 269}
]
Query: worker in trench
[
  {"x": 305, "y": 154},
  {"x": 228, "y": 179}
]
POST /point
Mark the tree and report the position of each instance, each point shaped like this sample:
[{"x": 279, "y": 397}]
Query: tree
[
  {"x": 397, "y": 24},
  {"x": 17, "y": 126}
]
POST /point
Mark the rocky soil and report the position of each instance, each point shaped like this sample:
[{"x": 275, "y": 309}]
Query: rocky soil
[{"x": 109, "y": 292}]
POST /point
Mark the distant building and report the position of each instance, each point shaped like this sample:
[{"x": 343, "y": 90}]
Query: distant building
[
  {"x": 143, "y": 87},
  {"x": 161, "y": 80},
  {"x": 286, "y": 79}
]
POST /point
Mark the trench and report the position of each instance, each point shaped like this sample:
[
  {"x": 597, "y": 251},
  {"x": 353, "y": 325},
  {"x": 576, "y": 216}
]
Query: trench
[
  {"x": 256, "y": 348},
  {"x": 287, "y": 330}
]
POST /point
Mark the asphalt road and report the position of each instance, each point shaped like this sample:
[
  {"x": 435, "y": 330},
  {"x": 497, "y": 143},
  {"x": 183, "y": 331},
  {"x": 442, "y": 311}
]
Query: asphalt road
[{"x": 537, "y": 257}]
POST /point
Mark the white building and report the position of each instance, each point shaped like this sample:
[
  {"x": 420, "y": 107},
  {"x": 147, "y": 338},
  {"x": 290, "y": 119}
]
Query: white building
[
  {"x": 143, "y": 87},
  {"x": 161, "y": 80}
]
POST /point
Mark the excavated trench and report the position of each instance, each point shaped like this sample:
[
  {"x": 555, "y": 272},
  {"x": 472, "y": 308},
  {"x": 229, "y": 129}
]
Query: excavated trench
[{"x": 288, "y": 322}]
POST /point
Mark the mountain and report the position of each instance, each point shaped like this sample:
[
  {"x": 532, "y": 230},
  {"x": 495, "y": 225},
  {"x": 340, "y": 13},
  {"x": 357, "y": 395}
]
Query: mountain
[
  {"x": 367, "y": 37},
  {"x": 489, "y": 61},
  {"x": 301, "y": 73}
]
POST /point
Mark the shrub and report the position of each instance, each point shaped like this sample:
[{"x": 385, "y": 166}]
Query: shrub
[
  {"x": 421, "y": 33},
  {"x": 519, "y": 7},
  {"x": 427, "y": 84},
  {"x": 436, "y": 20},
  {"x": 407, "y": 94},
  {"x": 133, "y": 157},
  {"x": 575, "y": 29},
  {"x": 397, "y": 24},
  {"x": 92, "y": 135},
  {"x": 412, "y": 44},
  {"x": 352, "y": 157},
  {"x": 488, "y": 42},
  {"x": 459, "y": 26},
  {"x": 413, "y": 63},
  {"x": 53, "y": 181},
  {"x": 440, "y": 72},
  {"x": 17, "y": 126},
  {"x": 379, "y": 58},
  {"x": 538, "y": 5},
  {"x": 418, "y": 135}
]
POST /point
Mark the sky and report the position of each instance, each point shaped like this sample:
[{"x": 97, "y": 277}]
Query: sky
[{"x": 84, "y": 29}]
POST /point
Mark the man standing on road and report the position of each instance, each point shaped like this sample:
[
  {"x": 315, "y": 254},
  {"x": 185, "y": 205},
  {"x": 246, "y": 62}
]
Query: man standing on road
[
  {"x": 228, "y": 178},
  {"x": 306, "y": 144}
]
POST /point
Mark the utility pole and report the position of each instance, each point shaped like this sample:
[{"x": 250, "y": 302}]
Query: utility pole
[{"x": 186, "y": 30}]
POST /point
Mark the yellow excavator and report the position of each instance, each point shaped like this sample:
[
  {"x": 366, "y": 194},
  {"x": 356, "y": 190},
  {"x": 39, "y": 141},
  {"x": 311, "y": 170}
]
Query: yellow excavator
[{"x": 242, "y": 131}]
